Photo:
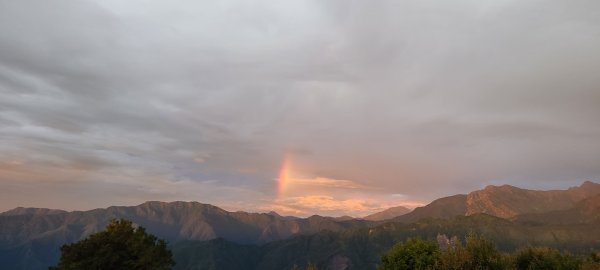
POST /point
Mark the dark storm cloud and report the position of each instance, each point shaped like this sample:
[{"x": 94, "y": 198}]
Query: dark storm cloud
[{"x": 421, "y": 98}]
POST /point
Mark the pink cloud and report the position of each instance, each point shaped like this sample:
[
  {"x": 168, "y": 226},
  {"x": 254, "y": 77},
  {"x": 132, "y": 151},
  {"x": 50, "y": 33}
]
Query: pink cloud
[
  {"x": 327, "y": 182},
  {"x": 331, "y": 206}
]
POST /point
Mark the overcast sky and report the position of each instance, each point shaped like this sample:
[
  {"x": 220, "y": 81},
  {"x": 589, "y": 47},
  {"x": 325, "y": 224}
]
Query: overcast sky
[{"x": 363, "y": 104}]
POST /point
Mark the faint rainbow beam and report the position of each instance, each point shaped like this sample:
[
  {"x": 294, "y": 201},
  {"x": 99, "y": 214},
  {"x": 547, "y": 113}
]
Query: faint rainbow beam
[{"x": 284, "y": 177}]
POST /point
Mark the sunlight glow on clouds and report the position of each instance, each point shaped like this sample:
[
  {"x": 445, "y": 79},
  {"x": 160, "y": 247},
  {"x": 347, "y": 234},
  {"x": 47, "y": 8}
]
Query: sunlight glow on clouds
[
  {"x": 332, "y": 206},
  {"x": 106, "y": 103},
  {"x": 327, "y": 183},
  {"x": 328, "y": 196},
  {"x": 325, "y": 204}
]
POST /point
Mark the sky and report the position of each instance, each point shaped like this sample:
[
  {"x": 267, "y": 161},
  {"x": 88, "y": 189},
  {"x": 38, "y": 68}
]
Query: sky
[{"x": 300, "y": 107}]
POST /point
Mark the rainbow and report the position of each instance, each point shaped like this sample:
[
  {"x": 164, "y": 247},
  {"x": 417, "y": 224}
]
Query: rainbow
[{"x": 284, "y": 176}]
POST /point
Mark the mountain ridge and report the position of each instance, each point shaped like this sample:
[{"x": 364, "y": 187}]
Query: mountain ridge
[
  {"x": 586, "y": 211},
  {"x": 30, "y": 237},
  {"x": 31, "y": 211},
  {"x": 504, "y": 201},
  {"x": 507, "y": 201},
  {"x": 388, "y": 213}
]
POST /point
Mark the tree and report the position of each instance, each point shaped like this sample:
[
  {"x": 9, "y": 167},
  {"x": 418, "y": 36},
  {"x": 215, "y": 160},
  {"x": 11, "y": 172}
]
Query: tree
[
  {"x": 415, "y": 254},
  {"x": 454, "y": 257},
  {"x": 477, "y": 253},
  {"x": 592, "y": 262},
  {"x": 533, "y": 258},
  {"x": 120, "y": 246}
]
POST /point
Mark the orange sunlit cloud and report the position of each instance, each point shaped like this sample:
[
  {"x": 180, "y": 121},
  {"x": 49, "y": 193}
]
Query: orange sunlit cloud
[
  {"x": 334, "y": 206},
  {"x": 327, "y": 203},
  {"x": 288, "y": 184},
  {"x": 327, "y": 196},
  {"x": 327, "y": 183}
]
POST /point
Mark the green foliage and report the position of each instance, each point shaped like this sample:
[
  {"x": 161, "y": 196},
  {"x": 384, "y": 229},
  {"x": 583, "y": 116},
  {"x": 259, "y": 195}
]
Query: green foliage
[
  {"x": 455, "y": 257},
  {"x": 594, "y": 258},
  {"x": 363, "y": 248},
  {"x": 479, "y": 253},
  {"x": 120, "y": 246},
  {"x": 592, "y": 262},
  {"x": 542, "y": 258},
  {"x": 482, "y": 254},
  {"x": 415, "y": 254}
]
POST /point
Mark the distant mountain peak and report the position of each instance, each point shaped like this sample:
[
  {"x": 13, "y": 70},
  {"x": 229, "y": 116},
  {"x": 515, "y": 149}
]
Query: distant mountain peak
[
  {"x": 508, "y": 201},
  {"x": 175, "y": 203},
  {"x": 180, "y": 205},
  {"x": 343, "y": 218},
  {"x": 589, "y": 184},
  {"x": 31, "y": 211},
  {"x": 504, "y": 201},
  {"x": 273, "y": 213},
  {"x": 388, "y": 213},
  {"x": 500, "y": 186}
]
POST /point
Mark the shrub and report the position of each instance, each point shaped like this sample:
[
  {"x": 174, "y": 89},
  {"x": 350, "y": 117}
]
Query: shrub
[{"x": 120, "y": 246}]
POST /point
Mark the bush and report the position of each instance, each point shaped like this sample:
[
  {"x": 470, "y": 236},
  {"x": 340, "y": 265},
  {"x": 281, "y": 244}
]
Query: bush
[
  {"x": 534, "y": 258},
  {"x": 483, "y": 254},
  {"x": 415, "y": 254},
  {"x": 455, "y": 257},
  {"x": 120, "y": 246},
  {"x": 592, "y": 262}
]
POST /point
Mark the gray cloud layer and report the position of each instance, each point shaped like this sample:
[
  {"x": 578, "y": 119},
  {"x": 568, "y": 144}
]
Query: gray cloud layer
[{"x": 116, "y": 102}]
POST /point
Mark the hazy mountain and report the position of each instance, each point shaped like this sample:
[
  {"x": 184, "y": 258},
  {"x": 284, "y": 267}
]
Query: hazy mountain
[
  {"x": 31, "y": 211},
  {"x": 31, "y": 237},
  {"x": 447, "y": 207},
  {"x": 388, "y": 213},
  {"x": 215, "y": 254},
  {"x": 586, "y": 211},
  {"x": 503, "y": 201},
  {"x": 173, "y": 221},
  {"x": 508, "y": 201},
  {"x": 362, "y": 248}
]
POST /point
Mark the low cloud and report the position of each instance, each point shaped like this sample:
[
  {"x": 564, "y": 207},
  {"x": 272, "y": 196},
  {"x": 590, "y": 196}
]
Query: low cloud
[
  {"x": 327, "y": 183},
  {"x": 332, "y": 206},
  {"x": 326, "y": 205}
]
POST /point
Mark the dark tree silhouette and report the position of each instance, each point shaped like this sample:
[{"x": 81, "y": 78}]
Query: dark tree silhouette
[
  {"x": 414, "y": 254},
  {"x": 120, "y": 246}
]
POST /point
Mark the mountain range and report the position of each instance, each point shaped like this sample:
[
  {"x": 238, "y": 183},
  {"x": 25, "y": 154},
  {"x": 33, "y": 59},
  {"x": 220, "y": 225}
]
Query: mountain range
[
  {"x": 201, "y": 235},
  {"x": 35, "y": 234},
  {"x": 361, "y": 248},
  {"x": 503, "y": 201},
  {"x": 388, "y": 213}
]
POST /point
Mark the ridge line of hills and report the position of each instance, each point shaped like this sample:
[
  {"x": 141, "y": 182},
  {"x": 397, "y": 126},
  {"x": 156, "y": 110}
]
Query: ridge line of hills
[
  {"x": 30, "y": 237},
  {"x": 480, "y": 201}
]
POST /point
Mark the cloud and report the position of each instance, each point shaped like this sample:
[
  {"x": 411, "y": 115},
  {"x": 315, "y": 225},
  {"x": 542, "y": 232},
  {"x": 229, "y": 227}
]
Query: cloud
[
  {"x": 334, "y": 197},
  {"x": 422, "y": 98},
  {"x": 327, "y": 183},
  {"x": 324, "y": 205},
  {"x": 335, "y": 206}
]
